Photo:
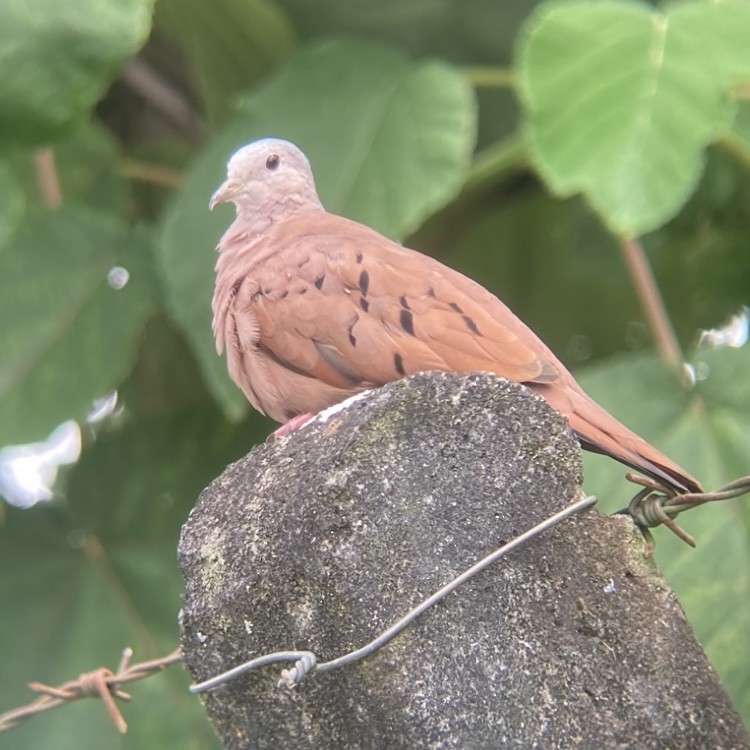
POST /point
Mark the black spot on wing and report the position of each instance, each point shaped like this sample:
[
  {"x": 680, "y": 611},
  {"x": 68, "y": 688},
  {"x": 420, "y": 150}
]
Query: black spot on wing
[
  {"x": 398, "y": 363},
  {"x": 468, "y": 322},
  {"x": 407, "y": 322},
  {"x": 471, "y": 325},
  {"x": 364, "y": 304},
  {"x": 352, "y": 337},
  {"x": 364, "y": 282},
  {"x": 358, "y": 257},
  {"x": 404, "y": 302},
  {"x": 319, "y": 281}
]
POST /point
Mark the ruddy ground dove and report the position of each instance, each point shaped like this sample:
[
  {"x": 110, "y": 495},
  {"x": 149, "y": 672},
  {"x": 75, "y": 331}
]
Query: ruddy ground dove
[{"x": 312, "y": 308}]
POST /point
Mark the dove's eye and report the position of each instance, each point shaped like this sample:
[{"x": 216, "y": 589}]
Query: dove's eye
[{"x": 272, "y": 162}]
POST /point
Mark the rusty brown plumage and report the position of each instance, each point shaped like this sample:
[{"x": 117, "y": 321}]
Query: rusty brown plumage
[{"x": 312, "y": 308}]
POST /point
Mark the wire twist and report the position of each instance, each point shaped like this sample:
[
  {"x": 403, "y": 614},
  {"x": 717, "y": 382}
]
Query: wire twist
[
  {"x": 656, "y": 504},
  {"x": 302, "y": 667}
]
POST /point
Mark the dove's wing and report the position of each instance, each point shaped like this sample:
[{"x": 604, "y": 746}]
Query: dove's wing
[{"x": 343, "y": 306}]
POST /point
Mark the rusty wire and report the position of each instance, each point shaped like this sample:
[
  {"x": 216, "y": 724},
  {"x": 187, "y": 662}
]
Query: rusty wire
[
  {"x": 98, "y": 683},
  {"x": 656, "y": 504}
]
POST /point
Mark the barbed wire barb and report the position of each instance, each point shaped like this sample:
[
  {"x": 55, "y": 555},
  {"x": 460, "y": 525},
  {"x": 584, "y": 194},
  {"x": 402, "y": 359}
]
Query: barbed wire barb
[
  {"x": 657, "y": 505},
  {"x": 98, "y": 683}
]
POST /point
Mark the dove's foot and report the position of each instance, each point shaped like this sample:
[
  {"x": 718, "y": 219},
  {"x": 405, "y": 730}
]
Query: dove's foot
[{"x": 291, "y": 425}]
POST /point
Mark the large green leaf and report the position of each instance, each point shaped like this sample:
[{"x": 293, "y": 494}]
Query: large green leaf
[
  {"x": 471, "y": 31},
  {"x": 69, "y": 332},
  {"x": 389, "y": 141},
  {"x": 97, "y": 572},
  {"x": 12, "y": 202},
  {"x": 56, "y": 60},
  {"x": 622, "y": 99},
  {"x": 229, "y": 43},
  {"x": 706, "y": 430}
]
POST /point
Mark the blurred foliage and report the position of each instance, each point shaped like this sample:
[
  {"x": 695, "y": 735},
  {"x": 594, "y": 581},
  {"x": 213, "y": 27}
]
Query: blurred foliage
[{"x": 515, "y": 141}]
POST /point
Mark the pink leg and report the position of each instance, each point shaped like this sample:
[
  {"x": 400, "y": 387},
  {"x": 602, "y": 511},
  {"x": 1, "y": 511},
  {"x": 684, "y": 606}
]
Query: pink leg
[{"x": 291, "y": 425}]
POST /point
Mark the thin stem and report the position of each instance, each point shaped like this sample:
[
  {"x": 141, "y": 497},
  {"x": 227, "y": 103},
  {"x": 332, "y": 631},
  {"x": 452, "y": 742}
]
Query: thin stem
[
  {"x": 651, "y": 301},
  {"x": 47, "y": 178},
  {"x": 504, "y": 158},
  {"x": 491, "y": 77},
  {"x": 154, "y": 174},
  {"x": 165, "y": 98}
]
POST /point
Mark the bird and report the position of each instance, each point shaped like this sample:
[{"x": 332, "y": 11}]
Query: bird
[{"x": 312, "y": 308}]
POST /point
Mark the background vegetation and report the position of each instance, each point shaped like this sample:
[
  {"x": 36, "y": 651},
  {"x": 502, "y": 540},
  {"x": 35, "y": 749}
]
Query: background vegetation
[{"x": 522, "y": 143}]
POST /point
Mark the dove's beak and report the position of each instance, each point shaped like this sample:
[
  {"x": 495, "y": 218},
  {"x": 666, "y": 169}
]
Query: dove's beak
[{"x": 225, "y": 193}]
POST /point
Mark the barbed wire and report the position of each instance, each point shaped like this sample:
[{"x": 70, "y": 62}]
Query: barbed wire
[
  {"x": 655, "y": 504},
  {"x": 98, "y": 683}
]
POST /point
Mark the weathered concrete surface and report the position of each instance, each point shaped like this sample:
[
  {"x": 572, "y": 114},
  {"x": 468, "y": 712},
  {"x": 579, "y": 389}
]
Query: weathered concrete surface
[{"x": 322, "y": 539}]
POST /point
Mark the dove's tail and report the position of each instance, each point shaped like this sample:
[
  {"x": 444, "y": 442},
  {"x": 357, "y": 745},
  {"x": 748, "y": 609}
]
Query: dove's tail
[{"x": 600, "y": 432}]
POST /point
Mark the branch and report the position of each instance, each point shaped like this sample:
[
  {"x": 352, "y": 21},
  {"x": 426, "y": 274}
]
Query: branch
[
  {"x": 155, "y": 174},
  {"x": 491, "y": 77},
  {"x": 154, "y": 88},
  {"x": 47, "y": 178},
  {"x": 651, "y": 301}
]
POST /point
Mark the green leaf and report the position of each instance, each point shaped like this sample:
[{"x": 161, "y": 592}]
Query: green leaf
[
  {"x": 474, "y": 32},
  {"x": 229, "y": 43},
  {"x": 471, "y": 33},
  {"x": 622, "y": 99},
  {"x": 56, "y": 60},
  {"x": 98, "y": 572},
  {"x": 68, "y": 335},
  {"x": 12, "y": 202},
  {"x": 389, "y": 141},
  {"x": 707, "y": 431}
]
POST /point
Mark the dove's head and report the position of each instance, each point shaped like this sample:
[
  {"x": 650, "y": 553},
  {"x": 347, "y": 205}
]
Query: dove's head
[{"x": 268, "y": 177}]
